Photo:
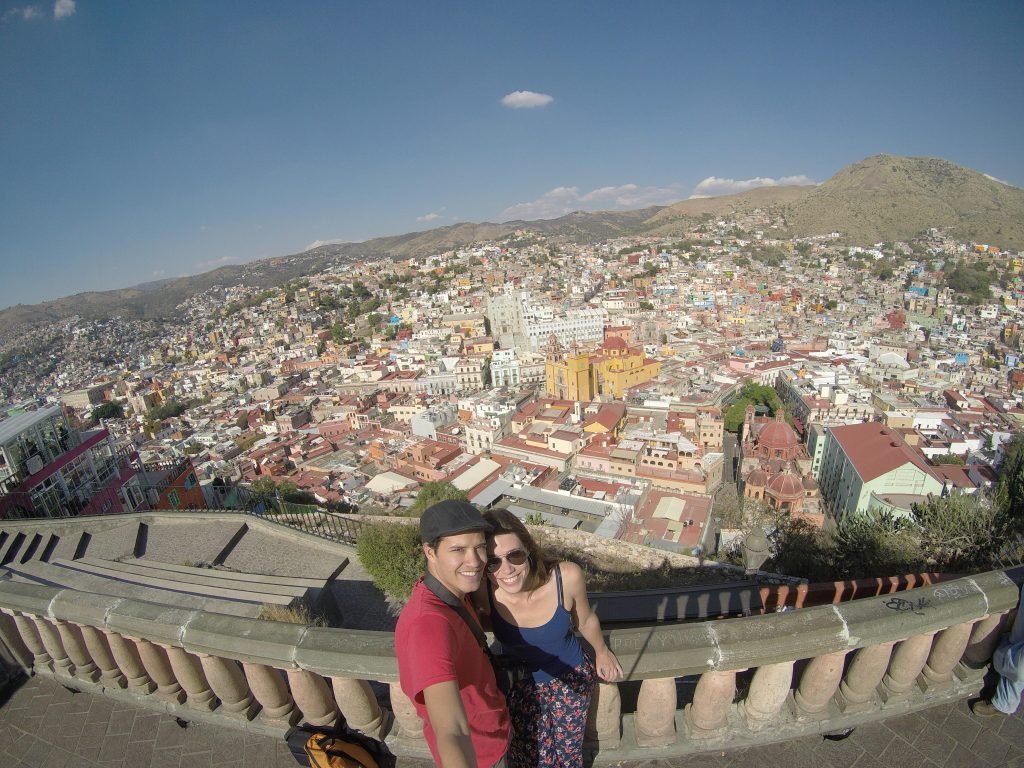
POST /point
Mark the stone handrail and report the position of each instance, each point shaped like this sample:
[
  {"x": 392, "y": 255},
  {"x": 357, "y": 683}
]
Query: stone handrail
[{"x": 744, "y": 681}]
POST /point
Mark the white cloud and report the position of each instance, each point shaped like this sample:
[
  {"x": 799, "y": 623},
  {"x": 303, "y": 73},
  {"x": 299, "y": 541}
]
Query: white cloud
[
  {"x": 713, "y": 186},
  {"x": 318, "y": 243},
  {"x": 993, "y": 178},
  {"x": 526, "y": 100},
  {"x": 25, "y": 13},
  {"x": 63, "y": 8},
  {"x": 432, "y": 216},
  {"x": 563, "y": 200}
]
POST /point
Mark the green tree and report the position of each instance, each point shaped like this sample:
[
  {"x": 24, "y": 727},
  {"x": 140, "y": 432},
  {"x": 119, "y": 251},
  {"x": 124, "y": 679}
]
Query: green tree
[
  {"x": 111, "y": 410},
  {"x": 431, "y": 493},
  {"x": 391, "y": 553},
  {"x": 1010, "y": 487},
  {"x": 750, "y": 394}
]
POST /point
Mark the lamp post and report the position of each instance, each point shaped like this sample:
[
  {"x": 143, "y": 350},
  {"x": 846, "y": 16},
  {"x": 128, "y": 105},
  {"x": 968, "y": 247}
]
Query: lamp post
[{"x": 755, "y": 550}]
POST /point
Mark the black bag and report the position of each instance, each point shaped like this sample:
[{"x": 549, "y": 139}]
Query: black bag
[
  {"x": 507, "y": 671},
  {"x": 338, "y": 747}
]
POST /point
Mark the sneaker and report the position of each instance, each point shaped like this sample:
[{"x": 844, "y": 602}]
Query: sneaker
[{"x": 985, "y": 708}]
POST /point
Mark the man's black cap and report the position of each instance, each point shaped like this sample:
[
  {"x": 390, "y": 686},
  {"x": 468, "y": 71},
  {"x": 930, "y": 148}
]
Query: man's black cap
[{"x": 449, "y": 517}]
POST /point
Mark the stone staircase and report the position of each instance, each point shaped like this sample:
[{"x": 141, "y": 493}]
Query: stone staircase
[{"x": 217, "y": 563}]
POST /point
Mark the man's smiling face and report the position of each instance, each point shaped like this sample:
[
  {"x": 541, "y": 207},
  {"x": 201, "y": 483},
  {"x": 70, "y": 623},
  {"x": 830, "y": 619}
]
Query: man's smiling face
[{"x": 458, "y": 562}]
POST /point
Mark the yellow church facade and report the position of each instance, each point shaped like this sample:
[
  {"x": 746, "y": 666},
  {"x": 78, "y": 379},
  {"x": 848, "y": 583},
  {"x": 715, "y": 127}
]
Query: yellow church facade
[{"x": 608, "y": 371}]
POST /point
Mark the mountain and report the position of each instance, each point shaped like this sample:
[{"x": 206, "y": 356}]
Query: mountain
[
  {"x": 878, "y": 199},
  {"x": 894, "y": 198}
]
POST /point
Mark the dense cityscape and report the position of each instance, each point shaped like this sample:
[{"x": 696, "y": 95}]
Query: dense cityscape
[{"x": 593, "y": 386}]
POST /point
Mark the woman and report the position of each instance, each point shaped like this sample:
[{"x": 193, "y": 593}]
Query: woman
[{"x": 534, "y": 604}]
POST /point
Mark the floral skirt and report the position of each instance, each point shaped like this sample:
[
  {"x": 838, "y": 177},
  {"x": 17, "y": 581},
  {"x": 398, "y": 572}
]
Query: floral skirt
[{"x": 549, "y": 719}]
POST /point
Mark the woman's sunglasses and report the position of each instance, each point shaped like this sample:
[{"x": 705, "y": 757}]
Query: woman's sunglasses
[{"x": 515, "y": 557}]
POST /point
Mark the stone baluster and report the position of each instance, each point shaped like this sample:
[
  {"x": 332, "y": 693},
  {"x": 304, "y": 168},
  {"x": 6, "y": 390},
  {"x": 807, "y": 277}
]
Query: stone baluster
[
  {"x": 312, "y": 697},
  {"x": 768, "y": 692},
  {"x": 11, "y": 637},
  {"x": 71, "y": 637},
  {"x": 30, "y": 636},
  {"x": 655, "y": 719},
  {"x": 230, "y": 686},
  {"x": 127, "y": 657},
  {"x": 96, "y": 643},
  {"x": 712, "y": 699},
  {"x": 604, "y": 720},
  {"x": 858, "y": 690},
  {"x": 907, "y": 662},
  {"x": 189, "y": 673},
  {"x": 410, "y": 727},
  {"x": 982, "y": 644},
  {"x": 62, "y": 666},
  {"x": 155, "y": 661},
  {"x": 818, "y": 684},
  {"x": 270, "y": 690},
  {"x": 946, "y": 651},
  {"x": 359, "y": 706}
]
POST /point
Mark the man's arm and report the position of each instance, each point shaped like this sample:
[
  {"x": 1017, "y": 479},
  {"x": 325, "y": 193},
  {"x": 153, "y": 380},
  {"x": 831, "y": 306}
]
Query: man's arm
[{"x": 448, "y": 719}]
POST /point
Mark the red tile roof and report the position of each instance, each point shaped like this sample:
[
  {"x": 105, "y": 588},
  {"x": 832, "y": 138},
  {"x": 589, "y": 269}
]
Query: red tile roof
[{"x": 876, "y": 450}]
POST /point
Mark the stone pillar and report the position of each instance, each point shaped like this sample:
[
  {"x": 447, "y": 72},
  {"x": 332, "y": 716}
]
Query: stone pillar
[
  {"x": 907, "y": 662},
  {"x": 818, "y": 685},
  {"x": 712, "y": 699},
  {"x": 62, "y": 666},
  {"x": 230, "y": 686},
  {"x": 768, "y": 692},
  {"x": 127, "y": 657},
  {"x": 30, "y": 636},
  {"x": 71, "y": 636},
  {"x": 159, "y": 668},
  {"x": 313, "y": 697},
  {"x": 604, "y": 719},
  {"x": 99, "y": 649},
  {"x": 946, "y": 651},
  {"x": 11, "y": 637},
  {"x": 359, "y": 706},
  {"x": 189, "y": 674},
  {"x": 270, "y": 690},
  {"x": 981, "y": 645},
  {"x": 655, "y": 719},
  {"x": 857, "y": 692},
  {"x": 410, "y": 727}
]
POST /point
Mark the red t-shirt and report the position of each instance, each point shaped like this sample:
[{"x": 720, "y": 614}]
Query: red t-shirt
[{"x": 434, "y": 645}]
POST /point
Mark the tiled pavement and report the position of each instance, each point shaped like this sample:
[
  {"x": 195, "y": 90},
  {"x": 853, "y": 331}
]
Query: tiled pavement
[{"x": 43, "y": 725}]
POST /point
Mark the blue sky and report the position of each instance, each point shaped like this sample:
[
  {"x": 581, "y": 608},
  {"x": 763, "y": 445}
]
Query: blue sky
[{"x": 144, "y": 140}]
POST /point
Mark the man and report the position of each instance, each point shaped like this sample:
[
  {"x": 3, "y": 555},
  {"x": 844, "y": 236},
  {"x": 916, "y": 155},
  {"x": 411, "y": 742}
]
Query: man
[
  {"x": 1008, "y": 661},
  {"x": 441, "y": 666}
]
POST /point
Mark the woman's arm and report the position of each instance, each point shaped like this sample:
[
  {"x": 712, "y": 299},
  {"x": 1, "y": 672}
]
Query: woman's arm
[{"x": 575, "y": 588}]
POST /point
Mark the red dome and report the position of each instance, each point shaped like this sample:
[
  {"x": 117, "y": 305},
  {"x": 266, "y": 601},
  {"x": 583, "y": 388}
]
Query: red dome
[
  {"x": 758, "y": 478},
  {"x": 614, "y": 342},
  {"x": 786, "y": 486},
  {"x": 810, "y": 483},
  {"x": 778, "y": 434}
]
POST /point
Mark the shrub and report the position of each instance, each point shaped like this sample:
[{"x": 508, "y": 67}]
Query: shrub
[
  {"x": 290, "y": 614},
  {"x": 392, "y": 555}
]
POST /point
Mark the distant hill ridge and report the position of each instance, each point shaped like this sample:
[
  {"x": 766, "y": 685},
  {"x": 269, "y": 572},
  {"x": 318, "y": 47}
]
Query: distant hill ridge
[{"x": 882, "y": 198}]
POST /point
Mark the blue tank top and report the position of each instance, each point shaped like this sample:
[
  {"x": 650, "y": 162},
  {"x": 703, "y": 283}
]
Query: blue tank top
[{"x": 549, "y": 650}]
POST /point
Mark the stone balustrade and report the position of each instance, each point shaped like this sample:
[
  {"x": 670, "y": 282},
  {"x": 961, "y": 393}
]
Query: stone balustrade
[{"x": 690, "y": 687}]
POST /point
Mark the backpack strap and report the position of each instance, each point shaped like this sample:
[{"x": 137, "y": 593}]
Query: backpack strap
[{"x": 445, "y": 596}]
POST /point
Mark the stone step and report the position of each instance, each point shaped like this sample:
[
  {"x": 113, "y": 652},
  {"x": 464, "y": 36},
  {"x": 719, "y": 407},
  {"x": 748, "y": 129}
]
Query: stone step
[
  {"x": 293, "y": 581},
  {"x": 56, "y": 576},
  {"x": 250, "y": 594},
  {"x": 198, "y": 577}
]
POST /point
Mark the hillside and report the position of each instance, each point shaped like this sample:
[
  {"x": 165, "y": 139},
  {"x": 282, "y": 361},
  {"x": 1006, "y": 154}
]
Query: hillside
[
  {"x": 687, "y": 212},
  {"x": 894, "y": 198},
  {"x": 882, "y": 198}
]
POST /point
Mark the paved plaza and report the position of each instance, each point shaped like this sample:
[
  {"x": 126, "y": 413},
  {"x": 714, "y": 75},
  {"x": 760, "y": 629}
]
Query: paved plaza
[{"x": 44, "y": 725}]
